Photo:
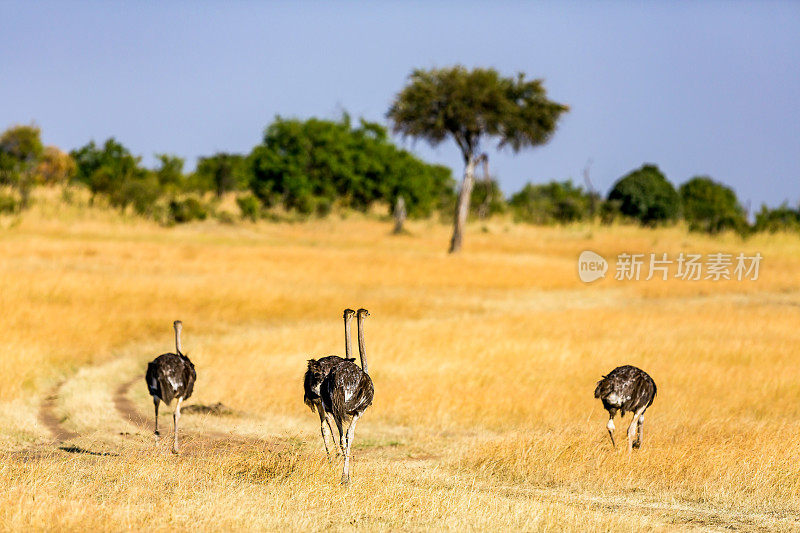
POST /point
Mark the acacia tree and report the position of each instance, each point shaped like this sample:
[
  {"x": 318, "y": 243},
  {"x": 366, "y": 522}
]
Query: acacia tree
[{"x": 470, "y": 106}]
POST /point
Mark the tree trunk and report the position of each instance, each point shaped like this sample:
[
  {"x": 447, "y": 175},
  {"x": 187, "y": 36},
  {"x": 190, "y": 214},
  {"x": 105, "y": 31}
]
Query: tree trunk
[
  {"x": 462, "y": 206},
  {"x": 24, "y": 179},
  {"x": 399, "y": 215},
  {"x": 24, "y": 192},
  {"x": 485, "y": 207}
]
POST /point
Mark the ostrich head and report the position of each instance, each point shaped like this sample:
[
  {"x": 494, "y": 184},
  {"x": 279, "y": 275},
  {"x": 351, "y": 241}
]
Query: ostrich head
[
  {"x": 363, "y": 313},
  {"x": 348, "y": 316}
]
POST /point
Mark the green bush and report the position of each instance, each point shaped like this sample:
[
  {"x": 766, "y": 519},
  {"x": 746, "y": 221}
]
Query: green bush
[
  {"x": 226, "y": 217},
  {"x": 187, "y": 210},
  {"x": 112, "y": 171},
  {"x": 141, "y": 192},
  {"x": 487, "y": 199},
  {"x": 249, "y": 206},
  {"x": 782, "y": 218},
  {"x": 220, "y": 173},
  {"x": 104, "y": 169},
  {"x": 309, "y": 166},
  {"x": 8, "y": 204},
  {"x": 610, "y": 211},
  {"x": 647, "y": 196},
  {"x": 21, "y": 151},
  {"x": 323, "y": 207},
  {"x": 711, "y": 207},
  {"x": 551, "y": 203},
  {"x": 169, "y": 174}
]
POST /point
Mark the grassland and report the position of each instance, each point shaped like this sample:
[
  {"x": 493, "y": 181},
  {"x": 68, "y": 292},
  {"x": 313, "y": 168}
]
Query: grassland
[{"x": 484, "y": 366}]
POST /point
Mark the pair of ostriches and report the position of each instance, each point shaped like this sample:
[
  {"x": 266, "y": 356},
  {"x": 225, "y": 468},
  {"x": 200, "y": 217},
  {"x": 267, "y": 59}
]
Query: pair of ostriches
[
  {"x": 335, "y": 387},
  {"x": 338, "y": 389}
]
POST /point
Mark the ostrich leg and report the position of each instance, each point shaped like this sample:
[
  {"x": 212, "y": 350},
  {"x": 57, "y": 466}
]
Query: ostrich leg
[
  {"x": 155, "y": 403},
  {"x": 350, "y": 431},
  {"x": 632, "y": 428},
  {"x": 175, "y": 416},
  {"x": 323, "y": 421},
  {"x": 330, "y": 430},
  {"x": 640, "y": 433},
  {"x": 342, "y": 437}
]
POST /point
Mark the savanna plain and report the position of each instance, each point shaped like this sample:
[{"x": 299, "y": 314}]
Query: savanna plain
[{"x": 484, "y": 365}]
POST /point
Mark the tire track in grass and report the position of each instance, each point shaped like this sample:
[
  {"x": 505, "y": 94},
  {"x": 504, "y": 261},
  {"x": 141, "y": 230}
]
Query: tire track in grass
[
  {"x": 126, "y": 408},
  {"x": 668, "y": 514},
  {"x": 49, "y": 418},
  {"x": 192, "y": 442},
  {"x": 688, "y": 514}
]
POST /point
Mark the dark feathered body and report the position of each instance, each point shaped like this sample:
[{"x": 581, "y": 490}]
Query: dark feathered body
[
  {"x": 347, "y": 391},
  {"x": 170, "y": 376},
  {"x": 340, "y": 391},
  {"x": 318, "y": 370},
  {"x": 626, "y": 389}
]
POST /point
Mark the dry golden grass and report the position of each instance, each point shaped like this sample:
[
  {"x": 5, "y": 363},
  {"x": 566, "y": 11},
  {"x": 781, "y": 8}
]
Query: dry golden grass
[{"x": 484, "y": 366}]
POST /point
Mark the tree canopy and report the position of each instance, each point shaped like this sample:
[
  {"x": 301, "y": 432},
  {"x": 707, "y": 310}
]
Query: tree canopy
[
  {"x": 111, "y": 170},
  {"x": 548, "y": 203},
  {"x": 55, "y": 166},
  {"x": 21, "y": 149},
  {"x": 21, "y": 144},
  {"x": 646, "y": 195},
  {"x": 469, "y": 105},
  {"x": 710, "y": 206},
  {"x": 103, "y": 168},
  {"x": 308, "y": 165},
  {"x": 222, "y": 173},
  {"x": 782, "y": 218}
]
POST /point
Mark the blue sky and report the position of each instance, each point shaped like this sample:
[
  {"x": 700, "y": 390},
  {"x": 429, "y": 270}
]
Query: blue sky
[{"x": 696, "y": 87}]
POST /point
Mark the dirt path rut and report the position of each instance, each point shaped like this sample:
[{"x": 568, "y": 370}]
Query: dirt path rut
[
  {"x": 51, "y": 420},
  {"x": 126, "y": 408}
]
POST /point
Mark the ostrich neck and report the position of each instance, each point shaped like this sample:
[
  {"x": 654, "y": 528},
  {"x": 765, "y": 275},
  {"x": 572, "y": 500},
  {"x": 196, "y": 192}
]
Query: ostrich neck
[
  {"x": 361, "y": 350},
  {"x": 178, "y": 340},
  {"x": 347, "y": 348}
]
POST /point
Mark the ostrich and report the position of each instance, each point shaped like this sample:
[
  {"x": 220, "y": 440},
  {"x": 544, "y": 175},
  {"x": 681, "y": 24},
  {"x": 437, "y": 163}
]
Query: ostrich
[
  {"x": 318, "y": 370},
  {"x": 346, "y": 394},
  {"x": 627, "y": 388},
  {"x": 171, "y": 375}
]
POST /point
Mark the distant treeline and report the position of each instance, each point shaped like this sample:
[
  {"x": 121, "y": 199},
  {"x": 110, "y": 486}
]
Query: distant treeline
[
  {"x": 303, "y": 167},
  {"x": 311, "y": 167},
  {"x": 646, "y": 196}
]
